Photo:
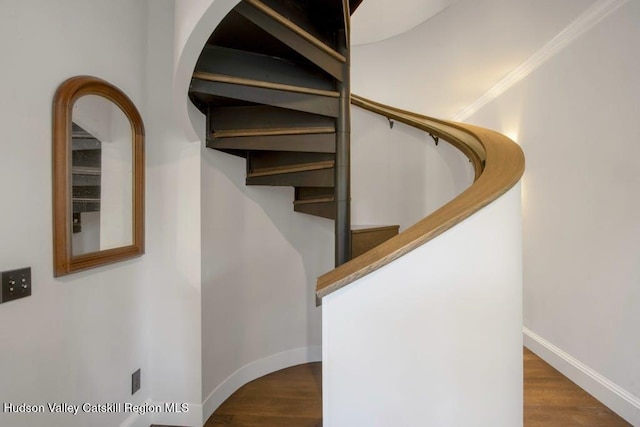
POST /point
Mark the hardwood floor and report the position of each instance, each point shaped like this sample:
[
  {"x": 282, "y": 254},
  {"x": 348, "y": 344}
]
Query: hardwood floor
[
  {"x": 551, "y": 399},
  {"x": 293, "y": 398}
]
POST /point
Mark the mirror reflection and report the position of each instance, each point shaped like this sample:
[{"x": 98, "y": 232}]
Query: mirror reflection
[
  {"x": 102, "y": 176},
  {"x": 98, "y": 176}
]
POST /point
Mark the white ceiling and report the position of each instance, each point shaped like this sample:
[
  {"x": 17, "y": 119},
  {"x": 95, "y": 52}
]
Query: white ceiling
[{"x": 377, "y": 20}]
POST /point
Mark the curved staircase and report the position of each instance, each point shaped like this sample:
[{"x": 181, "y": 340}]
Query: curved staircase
[{"x": 273, "y": 81}]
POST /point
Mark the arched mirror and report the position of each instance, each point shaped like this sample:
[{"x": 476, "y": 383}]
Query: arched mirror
[{"x": 98, "y": 176}]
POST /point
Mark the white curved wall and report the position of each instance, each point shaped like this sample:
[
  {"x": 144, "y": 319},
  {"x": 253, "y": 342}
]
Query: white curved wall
[
  {"x": 399, "y": 175},
  {"x": 435, "y": 337},
  {"x": 444, "y": 64},
  {"x": 260, "y": 263},
  {"x": 375, "y": 21}
]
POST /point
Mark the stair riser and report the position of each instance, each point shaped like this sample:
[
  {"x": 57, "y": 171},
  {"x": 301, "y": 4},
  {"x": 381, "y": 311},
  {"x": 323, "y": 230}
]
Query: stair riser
[
  {"x": 272, "y": 159},
  {"x": 264, "y": 117},
  {"x": 308, "y": 193},
  {"x": 366, "y": 239},
  {"x": 322, "y": 143},
  {"x": 323, "y": 210}
]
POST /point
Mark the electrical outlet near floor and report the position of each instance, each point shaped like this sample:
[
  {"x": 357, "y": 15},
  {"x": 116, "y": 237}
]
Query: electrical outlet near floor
[{"x": 135, "y": 381}]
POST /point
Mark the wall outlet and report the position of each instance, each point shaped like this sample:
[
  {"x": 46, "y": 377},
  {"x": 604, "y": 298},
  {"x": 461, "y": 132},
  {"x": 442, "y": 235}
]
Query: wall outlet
[
  {"x": 15, "y": 284},
  {"x": 135, "y": 381}
]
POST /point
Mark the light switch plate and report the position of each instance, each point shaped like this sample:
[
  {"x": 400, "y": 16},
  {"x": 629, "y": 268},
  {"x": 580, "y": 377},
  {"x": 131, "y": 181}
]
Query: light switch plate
[{"x": 15, "y": 284}]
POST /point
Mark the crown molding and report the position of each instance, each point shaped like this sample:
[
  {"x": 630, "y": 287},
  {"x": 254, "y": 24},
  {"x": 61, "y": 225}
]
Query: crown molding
[{"x": 583, "y": 23}]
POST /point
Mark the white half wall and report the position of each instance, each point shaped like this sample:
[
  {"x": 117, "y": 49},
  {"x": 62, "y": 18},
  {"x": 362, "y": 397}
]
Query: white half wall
[
  {"x": 435, "y": 331},
  {"x": 576, "y": 118},
  {"x": 574, "y": 112}
]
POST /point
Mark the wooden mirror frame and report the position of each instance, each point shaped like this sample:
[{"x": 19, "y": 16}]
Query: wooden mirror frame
[{"x": 67, "y": 94}]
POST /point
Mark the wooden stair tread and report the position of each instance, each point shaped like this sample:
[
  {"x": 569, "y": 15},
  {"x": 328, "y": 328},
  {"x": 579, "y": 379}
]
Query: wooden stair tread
[
  {"x": 235, "y": 133},
  {"x": 301, "y": 167},
  {"x": 368, "y": 228},
  {"x": 213, "y": 92},
  {"x": 220, "y": 78},
  {"x": 296, "y": 29},
  {"x": 316, "y": 200}
]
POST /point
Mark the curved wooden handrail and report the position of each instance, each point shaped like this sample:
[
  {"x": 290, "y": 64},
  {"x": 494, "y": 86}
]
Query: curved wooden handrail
[{"x": 498, "y": 163}]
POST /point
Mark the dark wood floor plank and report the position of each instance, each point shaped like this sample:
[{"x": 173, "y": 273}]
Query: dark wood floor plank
[{"x": 293, "y": 398}]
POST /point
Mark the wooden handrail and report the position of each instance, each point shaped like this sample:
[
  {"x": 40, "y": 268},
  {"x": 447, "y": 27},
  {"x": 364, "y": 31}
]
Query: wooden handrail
[
  {"x": 498, "y": 163},
  {"x": 451, "y": 132}
]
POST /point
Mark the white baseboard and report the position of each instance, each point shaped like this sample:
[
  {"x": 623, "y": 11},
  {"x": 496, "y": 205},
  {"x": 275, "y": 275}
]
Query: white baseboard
[
  {"x": 255, "y": 370},
  {"x": 610, "y": 394}
]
